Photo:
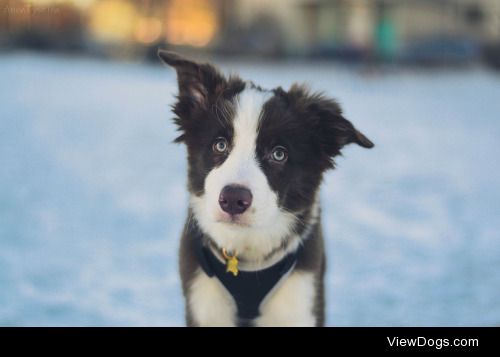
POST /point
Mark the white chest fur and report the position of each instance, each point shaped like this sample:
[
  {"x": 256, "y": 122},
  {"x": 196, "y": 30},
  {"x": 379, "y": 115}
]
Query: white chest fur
[{"x": 289, "y": 304}]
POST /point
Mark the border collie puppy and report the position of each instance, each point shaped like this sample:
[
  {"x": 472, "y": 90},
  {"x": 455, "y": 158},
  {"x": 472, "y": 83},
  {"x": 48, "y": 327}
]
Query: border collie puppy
[{"x": 252, "y": 251}]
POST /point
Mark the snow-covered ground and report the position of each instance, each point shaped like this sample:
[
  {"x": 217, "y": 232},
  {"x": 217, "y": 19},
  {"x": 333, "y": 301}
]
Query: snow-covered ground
[{"x": 92, "y": 194}]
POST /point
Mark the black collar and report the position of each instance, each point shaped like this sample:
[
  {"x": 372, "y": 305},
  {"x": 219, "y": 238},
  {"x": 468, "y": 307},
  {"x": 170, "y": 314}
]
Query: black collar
[{"x": 248, "y": 288}]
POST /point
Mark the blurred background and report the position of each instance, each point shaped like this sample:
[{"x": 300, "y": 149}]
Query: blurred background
[
  {"x": 92, "y": 191},
  {"x": 418, "y": 32}
]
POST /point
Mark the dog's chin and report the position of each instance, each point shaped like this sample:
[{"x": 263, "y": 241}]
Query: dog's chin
[
  {"x": 234, "y": 223},
  {"x": 224, "y": 224},
  {"x": 238, "y": 221}
]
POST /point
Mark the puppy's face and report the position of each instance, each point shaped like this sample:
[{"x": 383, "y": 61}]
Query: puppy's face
[{"x": 255, "y": 157}]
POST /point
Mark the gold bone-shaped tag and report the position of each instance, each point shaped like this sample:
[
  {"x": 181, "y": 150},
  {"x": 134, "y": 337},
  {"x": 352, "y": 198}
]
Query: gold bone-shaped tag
[{"x": 231, "y": 263}]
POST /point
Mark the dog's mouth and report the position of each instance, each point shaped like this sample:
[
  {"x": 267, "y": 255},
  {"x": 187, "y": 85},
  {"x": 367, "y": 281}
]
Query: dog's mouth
[{"x": 233, "y": 220}]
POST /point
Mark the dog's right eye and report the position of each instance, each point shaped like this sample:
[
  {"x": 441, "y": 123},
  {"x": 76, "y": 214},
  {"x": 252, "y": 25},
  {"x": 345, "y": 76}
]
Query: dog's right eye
[{"x": 220, "y": 145}]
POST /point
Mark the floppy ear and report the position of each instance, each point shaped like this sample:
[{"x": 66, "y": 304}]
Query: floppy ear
[
  {"x": 197, "y": 82},
  {"x": 333, "y": 131},
  {"x": 342, "y": 132}
]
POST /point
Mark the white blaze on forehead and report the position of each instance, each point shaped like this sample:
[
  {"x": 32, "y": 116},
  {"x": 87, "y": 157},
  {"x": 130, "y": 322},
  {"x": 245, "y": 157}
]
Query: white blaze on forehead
[
  {"x": 242, "y": 159},
  {"x": 249, "y": 110}
]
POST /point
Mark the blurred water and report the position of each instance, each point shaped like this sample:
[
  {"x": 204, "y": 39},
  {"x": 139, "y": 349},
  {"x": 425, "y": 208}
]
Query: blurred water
[{"x": 92, "y": 194}]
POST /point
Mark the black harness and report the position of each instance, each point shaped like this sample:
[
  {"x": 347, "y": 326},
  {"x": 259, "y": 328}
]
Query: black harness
[{"x": 248, "y": 288}]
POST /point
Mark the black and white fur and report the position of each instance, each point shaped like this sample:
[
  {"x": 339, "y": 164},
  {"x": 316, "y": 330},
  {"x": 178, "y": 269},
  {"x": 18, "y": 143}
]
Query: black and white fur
[{"x": 285, "y": 210}]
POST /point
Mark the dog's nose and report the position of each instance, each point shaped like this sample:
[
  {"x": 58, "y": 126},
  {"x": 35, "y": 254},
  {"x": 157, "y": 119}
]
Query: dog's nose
[{"x": 235, "y": 199}]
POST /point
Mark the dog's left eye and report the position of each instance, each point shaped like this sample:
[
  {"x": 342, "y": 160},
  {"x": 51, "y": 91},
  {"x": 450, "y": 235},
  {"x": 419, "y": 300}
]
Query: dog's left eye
[
  {"x": 279, "y": 154},
  {"x": 220, "y": 145}
]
